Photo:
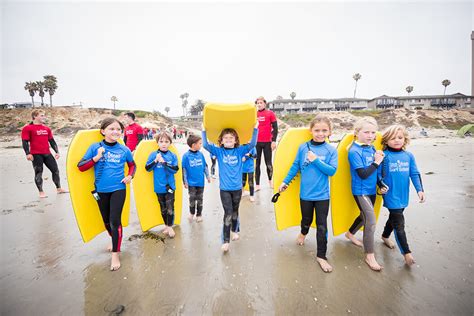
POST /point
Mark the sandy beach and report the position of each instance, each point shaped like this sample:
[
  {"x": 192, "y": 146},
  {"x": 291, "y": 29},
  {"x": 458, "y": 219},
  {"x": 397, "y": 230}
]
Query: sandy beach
[{"x": 46, "y": 269}]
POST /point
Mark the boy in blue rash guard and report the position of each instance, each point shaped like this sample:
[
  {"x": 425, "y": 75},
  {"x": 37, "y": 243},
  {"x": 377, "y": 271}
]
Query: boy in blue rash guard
[
  {"x": 108, "y": 158},
  {"x": 364, "y": 161},
  {"x": 164, "y": 165},
  {"x": 397, "y": 169},
  {"x": 194, "y": 170},
  {"x": 248, "y": 171},
  {"x": 229, "y": 155},
  {"x": 316, "y": 160}
]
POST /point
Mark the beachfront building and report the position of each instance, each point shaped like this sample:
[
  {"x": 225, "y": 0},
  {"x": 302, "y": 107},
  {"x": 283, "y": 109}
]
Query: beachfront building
[
  {"x": 457, "y": 100},
  {"x": 285, "y": 106}
]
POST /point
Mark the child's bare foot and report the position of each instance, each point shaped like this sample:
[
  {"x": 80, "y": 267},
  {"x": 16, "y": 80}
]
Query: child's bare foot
[
  {"x": 190, "y": 217},
  {"x": 109, "y": 248},
  {"x": 235, "y": 236},
  {"x": 252, "y": 199},
  {"x": 115, "y": 262},
  {"x": 225, "y": 247},
  {"x": 300, "y": 239},
  {"x": 409, "y": 260},
  {"x": 165, "y": 231},
  {"x": 171, "y": 232},
  {"x": 61, "y": 191},
  {"x": 257, "y": 187},
  {"x": 198, "y": 219},
  {"x": 42, "y": 195},
  {"x": 325, "y": 266},
  {"x": 372, "y": 263},
  {"x": 388, "y": 243},
  {"x": 354, "y": 240}
]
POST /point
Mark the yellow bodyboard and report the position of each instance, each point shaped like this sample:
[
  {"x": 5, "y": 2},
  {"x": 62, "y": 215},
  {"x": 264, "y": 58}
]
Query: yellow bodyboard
[
  {"x": 287, "y": 208},
  {"x": 344, "y": 209},
  {"x": 81, "y": 184},
  {"x": 241, "y": 117},
  {"x": 146, "y": 201}
]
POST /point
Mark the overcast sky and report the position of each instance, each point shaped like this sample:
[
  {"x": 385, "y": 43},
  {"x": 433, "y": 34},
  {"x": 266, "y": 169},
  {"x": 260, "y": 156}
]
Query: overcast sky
[{"x": 148, "y": 54}]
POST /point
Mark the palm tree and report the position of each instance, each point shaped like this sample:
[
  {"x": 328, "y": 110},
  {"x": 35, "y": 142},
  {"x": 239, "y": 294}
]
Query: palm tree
[
  {"x": 50, "y": 86},
  {"x": 31, "y": 88},
  {"x": 409, "y": 89},
  {"x": 167, "y": 109},
  {"x": 197, "y": 107},
  {"x": 356, "y": 77},
  {"x": 445, "y": 83},
  {"x": 184, "y": 97},
  {"x": 40, "y": 85},
  {"x": 279, "y": 97},
  {"x": 293, "y": 95},
  {"x": 114, "y": 99}
]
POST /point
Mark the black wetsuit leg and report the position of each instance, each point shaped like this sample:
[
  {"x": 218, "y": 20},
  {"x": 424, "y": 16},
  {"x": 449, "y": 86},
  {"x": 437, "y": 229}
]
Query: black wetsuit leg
[
  {"x": 52, "y": 165},
  {"x": 321, "y": 208},
  {"x": 230, "y": 203},
  {"x": 396, "y": 221},
  {"x": 166, "y": 201},
  {"x": 111, "y": 206}
]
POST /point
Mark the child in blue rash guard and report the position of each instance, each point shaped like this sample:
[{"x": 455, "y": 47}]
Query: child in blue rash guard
[
  {"x": 397, "y": 168},
  {"x": 164, "y": 165},
  {"x": 194, "y": 169},
  {"x": 108, "y": 158},
  {"x": 248, "y": 171},
  {"x": 364, "y": 161},
  {"x": 229, "y": 155},
  {"x": 316, "y": 160}
]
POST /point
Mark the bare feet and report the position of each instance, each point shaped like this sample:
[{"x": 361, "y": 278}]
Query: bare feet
[
  {"x": 42, "y": 195},
  {"x": 252, "y": 199},
  {"x": 190, "y": 217},
  {"x": 198, "y": 219},
  {"x": 165, "y": 231},
  {"x": 61, "y": 191},
  {"x": 245, "y": 193},
  {"x": 388, "y": 243},
  {"x": 325, "y": 266},
  {"x": 300, "y": 239},
  {"x": 354, "y": 240},
  {"x": 235, "y": 236},
  {"x": 171, "y": 232},
  {"x": 115, "y": 263},
  {"x": 225, "y": 247},
  {"x": 257, "y": 187},
  {"x": 372, "y": 263},
  {"x": 409, "y": 260}
]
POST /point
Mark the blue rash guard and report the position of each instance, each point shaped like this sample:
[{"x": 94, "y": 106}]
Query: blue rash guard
[
  {"x": 361, "y": 156},
  {"x": 314, "y": 175},
  {"x": 396, "y": 170},
  {"x": 109, "y": 170},
  {"x": 230, "y": 162},
  {"x": 249, "y": 163},
  {"x": 194, "y": 168},
  {"x": 163, "y": 173}
]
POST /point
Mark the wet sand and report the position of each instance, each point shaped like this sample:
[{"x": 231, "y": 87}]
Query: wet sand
[{"x": 46, "y": 269}]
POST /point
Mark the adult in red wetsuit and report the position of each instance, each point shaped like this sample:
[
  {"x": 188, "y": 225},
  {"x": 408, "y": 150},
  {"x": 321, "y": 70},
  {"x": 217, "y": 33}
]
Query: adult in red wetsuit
[
  {"x": 266, "y": 141},
  {"x": 36, "y": 138},
  {"x": 133, "y": 132}
]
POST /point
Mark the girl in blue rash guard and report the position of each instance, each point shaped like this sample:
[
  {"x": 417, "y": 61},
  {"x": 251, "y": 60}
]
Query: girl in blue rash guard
[
  {"x": 164, "y": 165},
  {"x": 397, "y": 168},
  {"x": 108, "y": 158},
  {"x": 229, "y": 155},
  {"x": 316, "y": 160},
  {"x": 248, "y": 171},
  {"x": 364, "y": 161}
]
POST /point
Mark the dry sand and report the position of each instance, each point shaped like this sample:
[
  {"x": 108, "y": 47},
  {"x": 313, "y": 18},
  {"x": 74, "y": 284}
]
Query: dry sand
[{"x": 46, "y": 268}]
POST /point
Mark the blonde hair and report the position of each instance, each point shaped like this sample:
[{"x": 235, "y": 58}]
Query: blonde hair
[
  {"x": 360, "y": 123},
  {"x": 35, "y": 113},
  {"x": 164, "y": 135},
  {"x": 321, "y": 119},
  {"x": 391, "y": 131}
]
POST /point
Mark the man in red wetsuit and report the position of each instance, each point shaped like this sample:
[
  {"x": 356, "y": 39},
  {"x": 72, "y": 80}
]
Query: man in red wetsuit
[
  {"x": 266, "y": 141},
  {"x": 133, "y": 132},
  {"x": 36, "y": 138}
]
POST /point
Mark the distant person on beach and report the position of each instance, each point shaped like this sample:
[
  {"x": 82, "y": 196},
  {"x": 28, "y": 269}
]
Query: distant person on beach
[
  {"x": 423, "y": 132},
  {"x": 194, "y": 173},
  {"x": 229, "y": 154},
  {"x": 164, "y": 165},
  {"x": 266, "y": 141},
  {"x": 133, "y": 132},
  {"x": 36, "y": 138},
  {"x": 398, "y": 167},
  {"x": 213, "y": 166},
  {"x": 108, "y": 158},
  {"x": 248, "y": 172},
  {"x": 364, "y": 161},
  {"x": 316, "y": 161}
]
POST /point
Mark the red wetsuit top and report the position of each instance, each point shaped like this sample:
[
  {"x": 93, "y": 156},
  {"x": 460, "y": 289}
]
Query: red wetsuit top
[
  {"x": 38, "y": 136},
  {"x": 131, "y": 132},
  {"x": 265, "y": 119}
]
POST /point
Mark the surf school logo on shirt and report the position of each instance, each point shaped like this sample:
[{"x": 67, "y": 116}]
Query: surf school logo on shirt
[
  {"x": 369, "y": 160},
  {"x": 230, "y": 160},
  {"x": 41, "y": 132},
  {"x": 111, "y": 157},
  {"x": 129, "y": 132},
  {"x": 399, "y": 166},
  {"x": 195, "y": 162}
]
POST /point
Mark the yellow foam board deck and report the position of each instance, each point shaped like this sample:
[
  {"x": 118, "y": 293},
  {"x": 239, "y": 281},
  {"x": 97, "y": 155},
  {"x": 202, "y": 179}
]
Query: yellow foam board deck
[
  {"x": 241, "y": 117},
  {"x": 344, "y": 209},
  {"x": 81, "y": 184},
  {"x": 146, "y": 201},
  {"x": 287, "y": 208}
]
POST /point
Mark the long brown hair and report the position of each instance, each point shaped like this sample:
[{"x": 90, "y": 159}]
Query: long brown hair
[
  {"x": 109, "y": 121},
  {"x": 228, "y": 131}
]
